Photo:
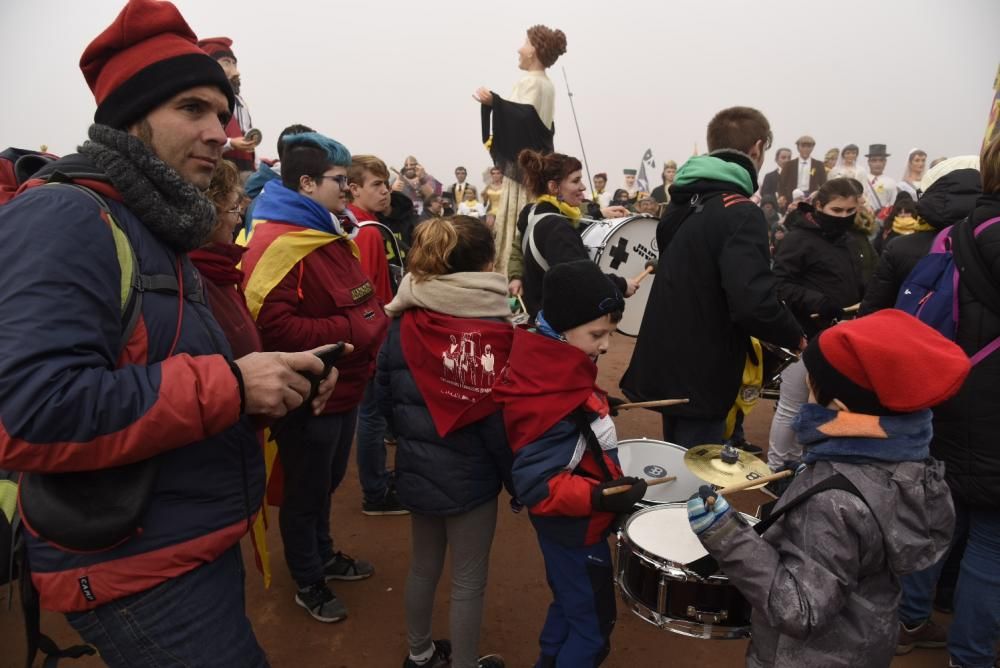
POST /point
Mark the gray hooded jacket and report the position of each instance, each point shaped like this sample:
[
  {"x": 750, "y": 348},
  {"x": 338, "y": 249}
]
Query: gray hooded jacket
[{"x": 824, "y": 579}]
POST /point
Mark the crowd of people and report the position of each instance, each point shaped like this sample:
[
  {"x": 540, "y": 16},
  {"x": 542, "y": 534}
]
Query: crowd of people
[{"x": 190, "y": 331}]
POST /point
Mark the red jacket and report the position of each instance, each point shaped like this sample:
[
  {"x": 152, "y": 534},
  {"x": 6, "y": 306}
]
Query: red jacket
[
  {"x": 324, "y": 299},
  {"x": 373, "y": 258},
  {"x": 244, "y": 160}
]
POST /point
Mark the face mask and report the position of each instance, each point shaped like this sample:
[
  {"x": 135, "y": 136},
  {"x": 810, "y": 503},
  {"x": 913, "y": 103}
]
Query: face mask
[{"x": 829, "y": 223}]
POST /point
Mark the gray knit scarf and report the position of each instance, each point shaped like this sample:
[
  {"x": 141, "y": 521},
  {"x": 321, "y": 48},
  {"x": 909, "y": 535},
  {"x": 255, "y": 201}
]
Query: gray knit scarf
[{"x": 170, "y": 207}]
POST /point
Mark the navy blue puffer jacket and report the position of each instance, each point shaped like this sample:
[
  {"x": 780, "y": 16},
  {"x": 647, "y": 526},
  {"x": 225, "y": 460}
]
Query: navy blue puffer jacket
[{"x": 434, "y": 475}]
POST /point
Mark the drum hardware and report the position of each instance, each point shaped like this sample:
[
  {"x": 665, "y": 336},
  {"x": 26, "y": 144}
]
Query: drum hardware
[
  {"x": 521, "y": 318},
  {"x": 707, "y": 617},
  {"x": 621, "y": 489},
  {"x": 776, "y": 360},
  {"x": 706, "y": 462},
  {"x": 650, "y": 404}
]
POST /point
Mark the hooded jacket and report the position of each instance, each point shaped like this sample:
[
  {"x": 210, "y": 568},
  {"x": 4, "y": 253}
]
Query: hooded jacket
[
  {"x": 714, "y": 290},
  {"x": 949, "y": 199},
  {"x": 817, "y": 265},
  {"x": 823, "y": 581},
  {"x": 966, "y": 426}
]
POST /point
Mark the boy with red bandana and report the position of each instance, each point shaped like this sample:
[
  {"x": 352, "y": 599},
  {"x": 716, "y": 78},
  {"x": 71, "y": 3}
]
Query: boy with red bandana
[{"x": 565, "y": 456}]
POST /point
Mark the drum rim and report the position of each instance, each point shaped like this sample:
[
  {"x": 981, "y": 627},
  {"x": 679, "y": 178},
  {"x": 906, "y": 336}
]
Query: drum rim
[{"x": 682, "y": 627}]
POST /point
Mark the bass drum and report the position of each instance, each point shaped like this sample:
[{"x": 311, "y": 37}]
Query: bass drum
[{"x": 623, "y": 246}]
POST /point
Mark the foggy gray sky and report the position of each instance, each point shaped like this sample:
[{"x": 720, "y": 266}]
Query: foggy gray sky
[{"x": 394, "y": 78}]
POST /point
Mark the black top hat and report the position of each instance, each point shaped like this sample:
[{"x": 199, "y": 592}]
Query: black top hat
[{"x": 876, "y": 151}]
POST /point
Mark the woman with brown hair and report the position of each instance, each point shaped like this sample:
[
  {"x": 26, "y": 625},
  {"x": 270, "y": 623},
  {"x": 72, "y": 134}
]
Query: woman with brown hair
[
  {"x": 522, "y": 121},
  {"x": 548, "y": 226},
  {"x": 450, "y": 335},
  {"x": 218, "y": 259}
]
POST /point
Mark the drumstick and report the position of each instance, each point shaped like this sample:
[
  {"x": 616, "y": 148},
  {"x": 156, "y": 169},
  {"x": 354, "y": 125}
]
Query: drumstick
[
  {"x": 747, "y": 484},
  {"x": 651, "y": 404},
  {"x": 650, "y": 269},
  {"x": 852, "y": 308},
  {"x": 621, "y": 489},
  {"x": 521, "y": 302}
]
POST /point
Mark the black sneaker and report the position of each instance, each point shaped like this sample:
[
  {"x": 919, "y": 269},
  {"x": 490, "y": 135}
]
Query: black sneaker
[
  {"x": 440, "y": 659},
  {"x": 389, "y": 505},
  {"x": 321, "y": 603},
  {"x": 491, "y": 661},
  {"x": 342, "y": 567},
  {"x": 746, "y": 446}
]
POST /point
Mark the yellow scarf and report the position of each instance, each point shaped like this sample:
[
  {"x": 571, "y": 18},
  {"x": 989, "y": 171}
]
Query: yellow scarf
[
  {"x": 910, "y": 224},
  {"x": 571, "y": 212},
  {"x": 284, "y": 252}
]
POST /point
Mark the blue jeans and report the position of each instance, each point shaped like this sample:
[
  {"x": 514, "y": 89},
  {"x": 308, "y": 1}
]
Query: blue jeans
[
  {"x": 314, "y": 455},
  {"x": 689, "y": 432},
  {"x": 577, "y": 631},
  {"x": 975, "y": 628},
  {"x": 197, "y": 619},
  {"x": 372, "y": 473}
]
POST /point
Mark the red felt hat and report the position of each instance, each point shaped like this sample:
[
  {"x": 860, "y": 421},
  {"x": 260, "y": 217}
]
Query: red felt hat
[
  {"x": 145, "y": 57},
  {"x": 218, "y": 47},
  {"x": 887, "y": 362}
]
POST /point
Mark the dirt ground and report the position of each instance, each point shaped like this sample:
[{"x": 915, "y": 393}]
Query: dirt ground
[{"x": 374, "y": 634}]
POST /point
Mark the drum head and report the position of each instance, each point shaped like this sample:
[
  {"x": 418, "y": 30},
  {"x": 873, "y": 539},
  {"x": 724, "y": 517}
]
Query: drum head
[
  {"x": 652, "y": 460},
  {"x": 665, "y": 532},
  {"x": 627, "y": 244}
]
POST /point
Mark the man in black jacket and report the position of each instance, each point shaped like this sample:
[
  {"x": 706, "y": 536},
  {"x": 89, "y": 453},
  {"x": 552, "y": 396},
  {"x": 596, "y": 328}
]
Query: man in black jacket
[
  {"x": 714, "y": 288},
  {"x": 950, "y": 192},
  {"x": 769, "y": 185}
]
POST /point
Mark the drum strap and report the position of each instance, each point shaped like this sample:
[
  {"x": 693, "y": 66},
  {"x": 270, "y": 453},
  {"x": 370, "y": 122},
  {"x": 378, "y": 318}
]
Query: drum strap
[
  {"x": 583, "y": 424},
  {"x": 529, "y": 237},
  {"x": 707, "y": 565}
]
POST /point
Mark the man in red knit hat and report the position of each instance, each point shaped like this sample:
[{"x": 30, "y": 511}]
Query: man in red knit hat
[
  {"x": 113, "y": 365},
  {"x": 239, "y": 147}
]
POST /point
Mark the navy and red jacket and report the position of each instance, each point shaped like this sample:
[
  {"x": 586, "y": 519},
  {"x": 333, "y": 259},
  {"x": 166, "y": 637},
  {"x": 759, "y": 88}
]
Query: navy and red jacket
[
  {"x": 70, "y": 402},
  {"x": 546, "y": 384}
]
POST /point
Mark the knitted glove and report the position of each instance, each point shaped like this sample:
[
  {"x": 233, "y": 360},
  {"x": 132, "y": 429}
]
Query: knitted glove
[
  {"x": 618, "y": 503},
  {"x": 700, "y": 516}
]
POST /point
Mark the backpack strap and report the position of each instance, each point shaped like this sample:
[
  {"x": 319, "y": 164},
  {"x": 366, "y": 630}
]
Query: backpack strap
[
  {"x": 131, "y": 288},
  {"x": 529, "y": 237},
  {"x": 972, "y": 270}
]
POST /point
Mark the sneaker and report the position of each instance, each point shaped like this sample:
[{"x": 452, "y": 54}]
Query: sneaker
[
  {"x": 747, "y": 446},
  {"x": 491, "y": 661},
  {"x": 342, "y": 567},
  {"x": 388, "y": 505},
  {"x": 321, "y": 603},
  {"x": 927, "y": 635},
  {"x": 440, "y": 659}
]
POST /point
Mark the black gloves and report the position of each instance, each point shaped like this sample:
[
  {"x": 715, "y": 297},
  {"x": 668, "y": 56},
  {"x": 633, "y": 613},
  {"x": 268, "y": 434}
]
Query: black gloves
[
  {"x": 618, "y": 503},
  {"x": 614, "y": 403},
  {"x": 828, "y": 311}
]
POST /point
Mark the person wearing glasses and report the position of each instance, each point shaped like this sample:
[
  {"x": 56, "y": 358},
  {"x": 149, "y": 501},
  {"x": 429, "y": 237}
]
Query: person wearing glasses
[
  {"x": 305, "y": 283},
  {"x": 804, "y": 173}
]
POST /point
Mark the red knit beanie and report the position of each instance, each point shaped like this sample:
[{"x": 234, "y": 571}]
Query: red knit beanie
[
  {"x": 145, "y": 57},
  {"x": 887, "y": 362},
  {"x": 218, "y": 47}
]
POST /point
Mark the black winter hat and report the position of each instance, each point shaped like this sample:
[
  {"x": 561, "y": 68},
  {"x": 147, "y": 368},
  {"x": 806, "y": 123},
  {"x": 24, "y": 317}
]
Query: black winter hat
[{"x": 574, "y": 293}]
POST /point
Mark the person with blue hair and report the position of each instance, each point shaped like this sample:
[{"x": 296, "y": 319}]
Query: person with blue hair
[{"x": 305, "y": 282}]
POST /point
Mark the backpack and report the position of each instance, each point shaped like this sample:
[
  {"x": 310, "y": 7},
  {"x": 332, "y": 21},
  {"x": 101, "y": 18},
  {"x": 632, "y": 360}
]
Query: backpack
[
  {"x": 930, "y": 291},
  {"x": 393, "y": 253},
  {"x": 16, "y": 166}
]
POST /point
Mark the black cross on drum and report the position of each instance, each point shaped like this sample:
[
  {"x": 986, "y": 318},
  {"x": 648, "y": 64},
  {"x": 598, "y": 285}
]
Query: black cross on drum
[{"x": 619, "y": 253}]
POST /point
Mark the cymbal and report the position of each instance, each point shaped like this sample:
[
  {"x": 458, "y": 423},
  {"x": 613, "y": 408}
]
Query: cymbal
[{"x": 705, "y": 461}]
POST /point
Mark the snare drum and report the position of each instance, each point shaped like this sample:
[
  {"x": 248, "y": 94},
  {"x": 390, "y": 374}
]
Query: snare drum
[
  {"x": 654, "y": 548},
  {"x": 622, "y": 246},
  {"x": 776, "y": 360},
  {"x": 652, "y": 460}
]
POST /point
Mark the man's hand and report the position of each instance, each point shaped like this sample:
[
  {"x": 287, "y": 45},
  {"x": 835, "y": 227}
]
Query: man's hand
[
  {"x": 483, "y": 96},
  {"x": 631, "y": 287},
  {"x": 274, "y": 384},
  {"x": 241, "y": 144},
  {"x": 515, "y": 287},
  {"x": 615, "y": 211}
]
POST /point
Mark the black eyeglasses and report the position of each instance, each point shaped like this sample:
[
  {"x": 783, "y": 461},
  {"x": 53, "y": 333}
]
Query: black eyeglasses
[{"x": 341, "y": 179}]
